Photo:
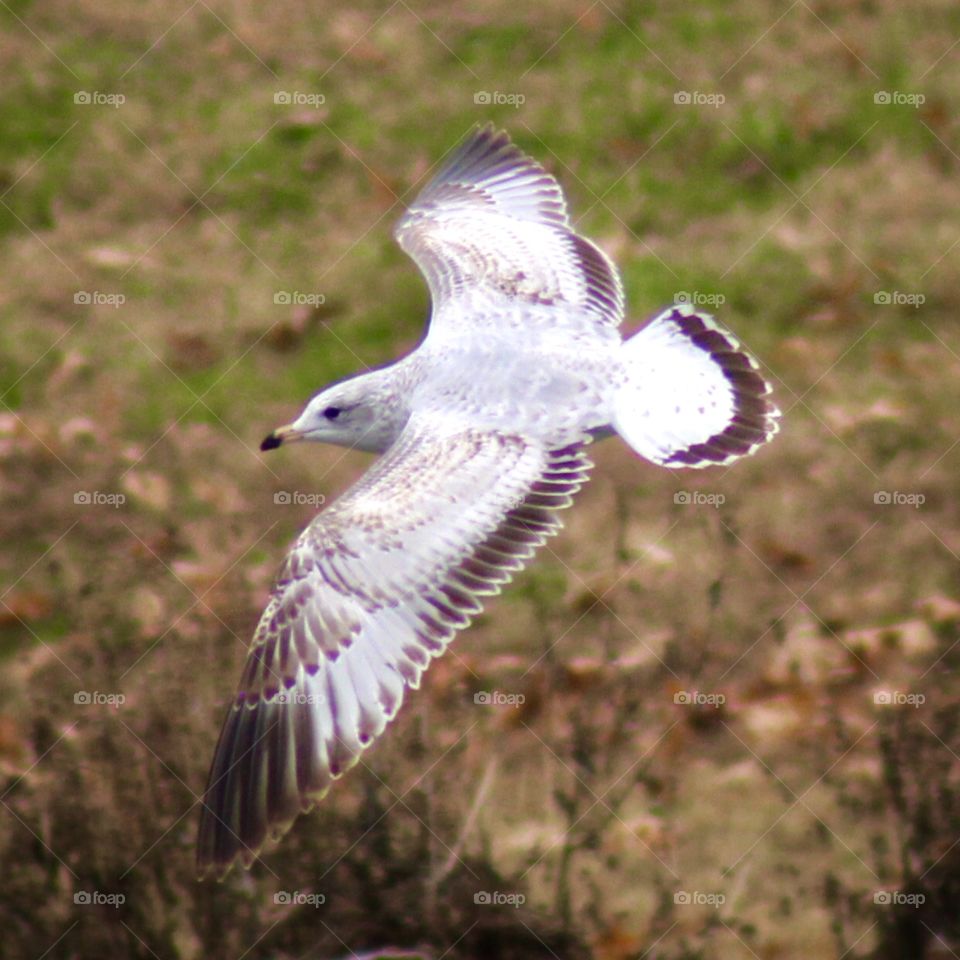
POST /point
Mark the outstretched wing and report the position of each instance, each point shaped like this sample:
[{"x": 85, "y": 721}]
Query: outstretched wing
[
  {"x": 491, "y": 235},
  {"x": 374, "y": 587}
]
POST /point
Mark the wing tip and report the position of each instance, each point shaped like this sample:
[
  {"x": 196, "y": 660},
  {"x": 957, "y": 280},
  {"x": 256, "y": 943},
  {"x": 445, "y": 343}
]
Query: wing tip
[
  {"x": 250, "y": 803},
  {"x": 221, "y": 845},
  {"x": 482, "y": 163}
]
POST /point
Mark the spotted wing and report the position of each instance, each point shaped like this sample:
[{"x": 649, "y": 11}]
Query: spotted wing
[
  {"x": 373, "y": 589},
  {"x": 490, "y": 233}
]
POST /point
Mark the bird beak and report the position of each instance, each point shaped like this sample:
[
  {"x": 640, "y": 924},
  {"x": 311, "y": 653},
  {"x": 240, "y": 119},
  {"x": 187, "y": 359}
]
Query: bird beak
[{"x": 281, "y": 435}]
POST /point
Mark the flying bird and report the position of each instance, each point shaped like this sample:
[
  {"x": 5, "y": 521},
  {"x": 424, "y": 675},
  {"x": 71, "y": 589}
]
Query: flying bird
[{"x": 482, "y": 433}]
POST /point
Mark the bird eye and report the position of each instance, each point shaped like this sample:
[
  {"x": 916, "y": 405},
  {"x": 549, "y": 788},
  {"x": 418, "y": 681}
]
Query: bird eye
[{"x": 331, "y": 413}]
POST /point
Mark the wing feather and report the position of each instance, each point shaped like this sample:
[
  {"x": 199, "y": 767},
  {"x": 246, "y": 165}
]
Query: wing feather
[
  {"x": 491, "y": 235},
  {"x": 373, "y": 590}
]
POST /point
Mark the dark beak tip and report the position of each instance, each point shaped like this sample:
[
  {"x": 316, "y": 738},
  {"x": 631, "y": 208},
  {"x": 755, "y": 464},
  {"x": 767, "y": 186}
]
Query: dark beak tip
[{"x": 271, "y": 442}]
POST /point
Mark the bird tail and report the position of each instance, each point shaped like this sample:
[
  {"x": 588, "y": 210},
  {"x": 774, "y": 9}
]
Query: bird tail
[{"x": 692, "y": 397}]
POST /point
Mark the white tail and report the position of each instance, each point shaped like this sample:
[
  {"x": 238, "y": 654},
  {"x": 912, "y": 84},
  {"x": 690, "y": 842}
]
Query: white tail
[{"x": 692, "y": 397}]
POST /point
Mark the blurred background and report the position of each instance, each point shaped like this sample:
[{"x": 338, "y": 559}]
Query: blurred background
[{"x": 718, "y": 717}]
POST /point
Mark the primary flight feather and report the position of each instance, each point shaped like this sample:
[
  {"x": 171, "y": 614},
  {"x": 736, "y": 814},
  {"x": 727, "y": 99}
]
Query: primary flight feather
[{"x": 482, "y": 431}]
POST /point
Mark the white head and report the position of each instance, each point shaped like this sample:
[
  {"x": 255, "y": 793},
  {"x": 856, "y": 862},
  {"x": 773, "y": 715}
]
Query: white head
[{"x": 358, "y": 413}]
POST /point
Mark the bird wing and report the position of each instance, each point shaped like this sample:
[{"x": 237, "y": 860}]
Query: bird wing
[
  {"x": 490, "y": 233},
  {"x": 374, "y": 588}
]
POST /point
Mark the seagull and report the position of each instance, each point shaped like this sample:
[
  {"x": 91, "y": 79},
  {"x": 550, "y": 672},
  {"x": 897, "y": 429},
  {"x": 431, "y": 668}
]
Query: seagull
[{"x": 482, "y": 432}]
